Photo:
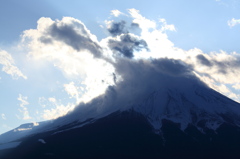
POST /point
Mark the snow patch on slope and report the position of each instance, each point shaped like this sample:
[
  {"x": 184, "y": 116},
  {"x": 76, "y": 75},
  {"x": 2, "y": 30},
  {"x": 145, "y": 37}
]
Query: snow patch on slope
[
  {"x": 22, "y": 131},
  {"x": 202, "y": 107}
]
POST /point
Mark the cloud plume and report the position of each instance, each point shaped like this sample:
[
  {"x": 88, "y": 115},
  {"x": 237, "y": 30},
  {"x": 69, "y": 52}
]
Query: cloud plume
[{"x": 125, "y": 66}]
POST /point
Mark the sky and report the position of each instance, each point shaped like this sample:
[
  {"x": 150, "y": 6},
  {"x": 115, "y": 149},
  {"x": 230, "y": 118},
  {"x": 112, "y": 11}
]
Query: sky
[{"x": 57, "y": 54}]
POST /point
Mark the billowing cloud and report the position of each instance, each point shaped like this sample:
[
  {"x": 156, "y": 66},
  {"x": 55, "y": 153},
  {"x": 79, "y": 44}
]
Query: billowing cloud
[
  {"x": 73, "y": 33},
  {"x": 8, "y": 65},
  {"x": 124, "y": 67},
  {"x": 23, "y": 109},
  {"x": 67, "y": 32},
  {"x": 78, "y": 39},
  {"x": 140, "y": 79},
  {"x": 144, "y": 23},
  {"x": 233, "y": 22},
  {"x": 82, "y": 60}
]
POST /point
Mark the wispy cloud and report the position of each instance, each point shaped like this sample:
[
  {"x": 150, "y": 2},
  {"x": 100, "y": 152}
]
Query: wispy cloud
[
  {"x": 73, "y": 91},
  {"x": 53, "y": 108},
  {"x": 236, "y": 86},
  {"x": 233, "y": 22},
  {"x": 23, "y": 109},
  {"x": 166, "y": 26},
  {"x": 57, "y": 110},
  {"x": 8, "y": 65},
  {"x": 3, "y": 116}
]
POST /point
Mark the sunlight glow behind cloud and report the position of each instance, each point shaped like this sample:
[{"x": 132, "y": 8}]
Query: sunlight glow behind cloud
[
  {"x": 77, "y": 53},
  {"x": 89, "y": 66}
]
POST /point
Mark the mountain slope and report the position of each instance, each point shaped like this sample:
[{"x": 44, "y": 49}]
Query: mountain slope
[
  {"x": 129, "y": 135},
  {"x": 201, "y": 107}
]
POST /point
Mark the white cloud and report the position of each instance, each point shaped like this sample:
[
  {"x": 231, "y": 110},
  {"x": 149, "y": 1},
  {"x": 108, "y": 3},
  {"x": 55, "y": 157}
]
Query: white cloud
[
  {"x": 3, "y": 116},
  {"x": 23, "y": 109},
  {"x": 116, "y": 13},
  {"x": 53, "y": 100},
  {"x": 75, "y": 63},
  {"x": 57, "y": 111},
  {"x": 8, "y": 65},
  {"x": 54, "y": 108},
  {"x": 233, "y": 22},
  {"x": 166, "y": 26},
  {"x": 223, "y": 68},
  {"x": 144, "y": 23},
  {"x": 72, "y": 90}
]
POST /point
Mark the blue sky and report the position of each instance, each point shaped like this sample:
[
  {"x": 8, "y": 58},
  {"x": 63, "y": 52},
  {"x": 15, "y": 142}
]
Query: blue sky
[{"x": 43, "y": 80}]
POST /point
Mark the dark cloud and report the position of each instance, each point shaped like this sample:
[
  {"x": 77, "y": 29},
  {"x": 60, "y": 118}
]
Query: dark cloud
[
  {"x": 203, "y": 60},
  {"x": 224, "y": 67},
  {"x": 228, "y": 65},
  {"x": 127, "y": 45},
  {"x": 135, "y": 25},
  {"x": 73, "y": 34},
  {"x": 172, "y": 67},
  {"x": 117, "y": 28},
  {"x": 140, "y": 79},
  {"x": 114, "y": 78},
  {"x": 122, "y": 27}
]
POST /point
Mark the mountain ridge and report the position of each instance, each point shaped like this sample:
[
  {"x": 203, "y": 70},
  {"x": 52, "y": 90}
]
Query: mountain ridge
[{"x": 128, "y": 134}]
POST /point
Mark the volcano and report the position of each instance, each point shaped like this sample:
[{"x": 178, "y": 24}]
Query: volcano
[{"x": 171, "y": 116}]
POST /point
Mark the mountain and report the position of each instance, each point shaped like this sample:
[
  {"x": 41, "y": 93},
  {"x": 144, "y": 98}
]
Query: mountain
[{"x": 174, "y": 121}]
